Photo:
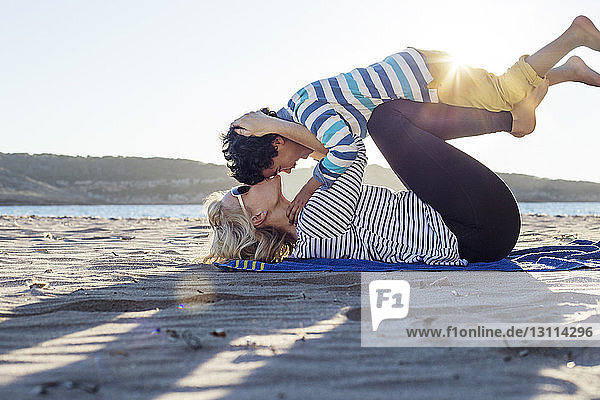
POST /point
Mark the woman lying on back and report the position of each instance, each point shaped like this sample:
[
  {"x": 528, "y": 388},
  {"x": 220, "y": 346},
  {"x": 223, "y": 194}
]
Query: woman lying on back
[{"x": 455, "y": 211}]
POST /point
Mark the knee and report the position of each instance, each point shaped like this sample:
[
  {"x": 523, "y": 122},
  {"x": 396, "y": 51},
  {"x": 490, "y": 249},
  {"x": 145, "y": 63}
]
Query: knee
[
  {"x": 499, "y": 239},
  {"x": 379, "y": 120},
  {"x": 511, "y": 232},
  {"x": 504, "y": 243},
  {"x": 495, "y": 237}
]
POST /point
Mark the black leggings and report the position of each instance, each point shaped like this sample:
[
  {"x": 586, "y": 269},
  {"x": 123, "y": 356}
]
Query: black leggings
[{"x": 474, "y": 202}]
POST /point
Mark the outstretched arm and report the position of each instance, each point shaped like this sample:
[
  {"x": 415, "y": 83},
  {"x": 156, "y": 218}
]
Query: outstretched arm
[{"x": 257, "y": 123}]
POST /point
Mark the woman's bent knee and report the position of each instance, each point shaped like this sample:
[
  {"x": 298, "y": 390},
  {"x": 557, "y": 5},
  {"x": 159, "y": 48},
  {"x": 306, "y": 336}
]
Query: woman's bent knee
[
  {"x": 494, "y": 241},
  {"x": 381, "y": 119}
]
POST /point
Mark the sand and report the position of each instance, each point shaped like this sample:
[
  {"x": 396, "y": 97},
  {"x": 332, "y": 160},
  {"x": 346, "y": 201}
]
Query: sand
[{"x": 121, "y": 308}]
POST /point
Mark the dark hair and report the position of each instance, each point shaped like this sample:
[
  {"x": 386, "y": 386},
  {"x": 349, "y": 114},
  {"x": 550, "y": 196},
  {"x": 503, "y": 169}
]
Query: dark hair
[{"x": 248, "y": 156}]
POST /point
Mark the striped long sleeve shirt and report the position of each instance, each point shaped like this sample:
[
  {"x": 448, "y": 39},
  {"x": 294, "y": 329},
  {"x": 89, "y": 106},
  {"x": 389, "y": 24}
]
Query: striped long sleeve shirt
[
  {"x": 352, "y": 220},
  {"x": 337, "y": 108}
]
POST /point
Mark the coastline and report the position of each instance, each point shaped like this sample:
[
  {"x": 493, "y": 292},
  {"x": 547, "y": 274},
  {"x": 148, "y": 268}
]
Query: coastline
[{"x": 196, "y": 210}]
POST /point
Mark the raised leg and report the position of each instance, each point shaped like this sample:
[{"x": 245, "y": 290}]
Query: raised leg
[
  {"x": 451, "y": 122},
  {"x": 473, "y": 201},
  {"x": 574, "y": 70},
  {"x": 581, "y": 32},
  {"x": 447, "y": 123}
]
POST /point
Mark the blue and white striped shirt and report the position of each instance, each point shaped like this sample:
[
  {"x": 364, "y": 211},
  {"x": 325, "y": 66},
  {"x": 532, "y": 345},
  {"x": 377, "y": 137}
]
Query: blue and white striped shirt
[
  {"x": 334, "y": 109},
  {"x": 352, "y": 220}
]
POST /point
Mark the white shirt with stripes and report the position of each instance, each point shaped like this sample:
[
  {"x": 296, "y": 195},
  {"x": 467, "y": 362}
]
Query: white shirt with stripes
[
  {"x": 338, "y": 108},
  {"x": 352, "y": 220}
]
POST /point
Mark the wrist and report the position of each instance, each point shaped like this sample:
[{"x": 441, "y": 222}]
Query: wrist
[{"x": 312, "y": 184}]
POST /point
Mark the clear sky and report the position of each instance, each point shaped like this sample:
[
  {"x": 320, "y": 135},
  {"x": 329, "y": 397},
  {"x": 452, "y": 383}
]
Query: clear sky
[{"x": 164, "y": 78}]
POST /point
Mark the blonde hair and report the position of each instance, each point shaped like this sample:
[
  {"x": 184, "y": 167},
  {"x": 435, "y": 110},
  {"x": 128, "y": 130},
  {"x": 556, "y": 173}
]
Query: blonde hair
[{"x": 235, "y": 237}]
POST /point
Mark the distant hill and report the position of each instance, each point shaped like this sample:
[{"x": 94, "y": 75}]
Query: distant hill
[
  {"x": 54, "y": 179},
  {"x": 531, "y": 188}
]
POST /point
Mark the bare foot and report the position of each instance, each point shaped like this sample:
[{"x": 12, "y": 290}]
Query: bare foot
[
  {"x": 574, "y": 70},
  {"x": 523, "y": 112},
  {"x": 585, "y": 33},
  {"x": 581, "y": 72}
]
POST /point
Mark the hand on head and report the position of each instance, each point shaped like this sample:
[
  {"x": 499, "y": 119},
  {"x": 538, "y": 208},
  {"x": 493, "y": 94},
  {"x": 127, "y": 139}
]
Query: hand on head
[{"x": 254, "y": 123}]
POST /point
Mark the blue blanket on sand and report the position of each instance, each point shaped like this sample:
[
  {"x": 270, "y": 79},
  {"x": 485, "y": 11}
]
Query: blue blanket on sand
[{"x": 577, "y": 254}]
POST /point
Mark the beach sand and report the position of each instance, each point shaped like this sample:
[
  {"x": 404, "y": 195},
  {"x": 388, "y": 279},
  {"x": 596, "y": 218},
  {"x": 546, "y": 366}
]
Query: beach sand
[{"x": 121, "y": 308}]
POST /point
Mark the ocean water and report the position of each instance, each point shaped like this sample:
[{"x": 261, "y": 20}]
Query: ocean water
[
  {"x": 195, "y": 210},
  {"x": 561, "y": 208}
]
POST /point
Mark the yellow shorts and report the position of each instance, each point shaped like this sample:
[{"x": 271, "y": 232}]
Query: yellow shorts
[{"x": 461, "y": 85}]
